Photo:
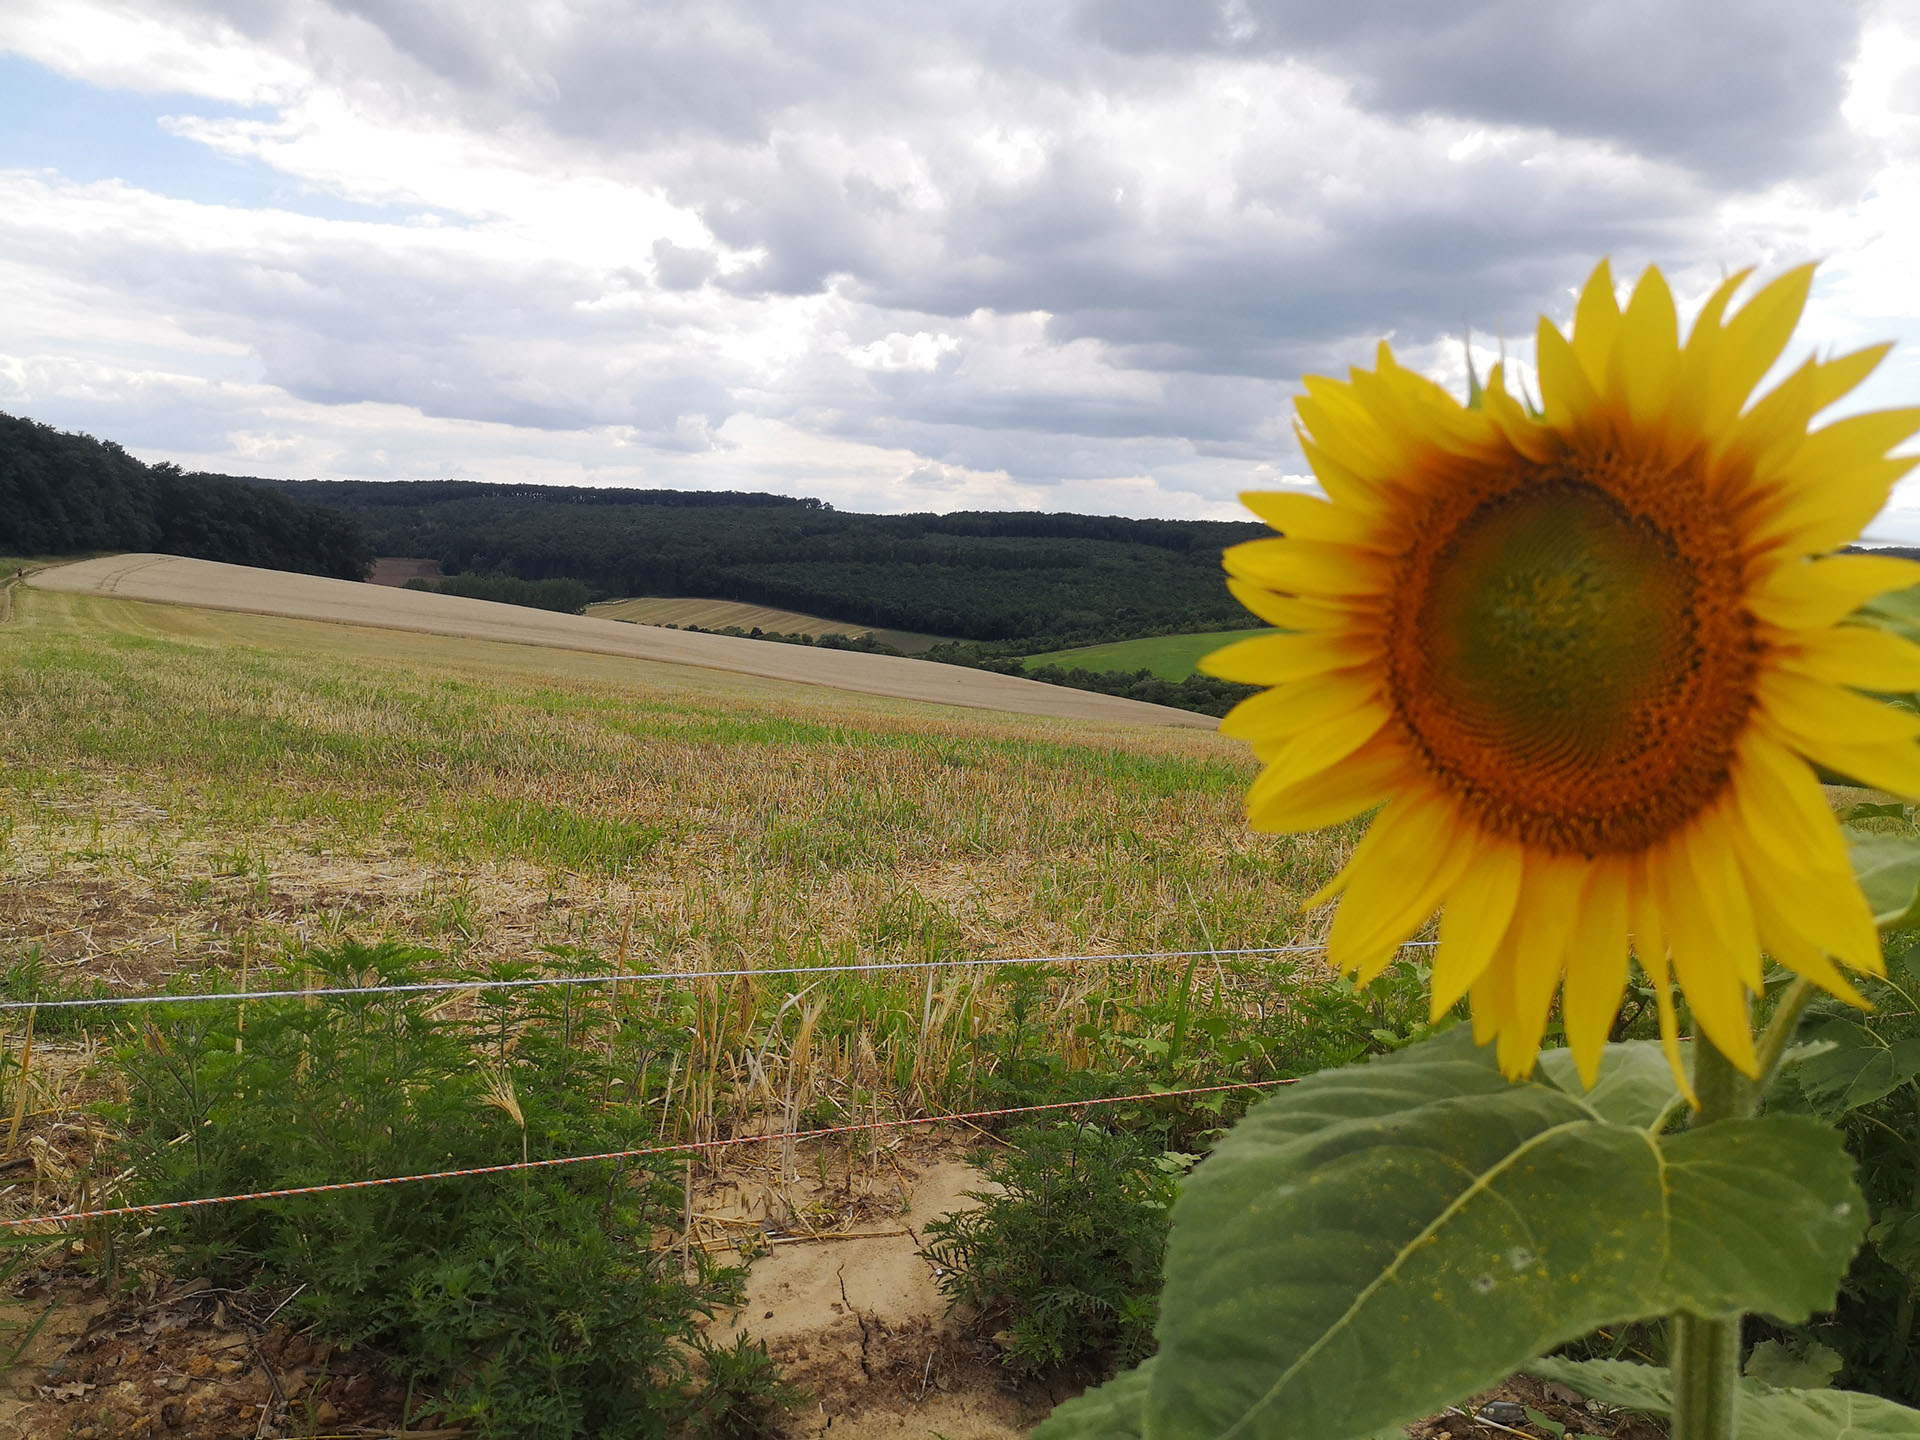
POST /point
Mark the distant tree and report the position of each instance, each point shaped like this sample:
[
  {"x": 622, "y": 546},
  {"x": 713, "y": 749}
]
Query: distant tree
[
  {"x": 61, "y": 493},
  {"x": 980, "y": 576}
]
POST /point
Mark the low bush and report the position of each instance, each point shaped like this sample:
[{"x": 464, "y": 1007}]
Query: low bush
[
  {"x": 530, "y": 1304},
  {"x": 1063, "y": 1254}
]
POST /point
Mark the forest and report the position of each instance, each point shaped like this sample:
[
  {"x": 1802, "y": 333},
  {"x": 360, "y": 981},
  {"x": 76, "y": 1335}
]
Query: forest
[
  {"x": 63, "y": 494},
  {"x": 984, "y": 576}
]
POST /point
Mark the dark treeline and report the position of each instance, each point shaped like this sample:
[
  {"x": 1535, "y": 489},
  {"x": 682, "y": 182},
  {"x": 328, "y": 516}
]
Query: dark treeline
[
  {"x": 976, "y": 575},
  {"x": 63, "y": 493}
]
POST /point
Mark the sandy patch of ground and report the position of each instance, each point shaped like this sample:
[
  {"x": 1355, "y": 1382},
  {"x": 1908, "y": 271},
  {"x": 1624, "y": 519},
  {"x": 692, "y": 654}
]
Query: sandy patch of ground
[
  {"x": 852, "y": 1312},
  {"x": 172, "y": 579}
]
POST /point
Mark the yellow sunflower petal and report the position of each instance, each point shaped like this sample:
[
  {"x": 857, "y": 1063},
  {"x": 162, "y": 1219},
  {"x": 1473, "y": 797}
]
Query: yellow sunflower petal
[
  {"x": 1855, "y": 655},
  {"x": 1277, "y": 659},
  {"x": 1345, "y": 487},
  {"x": 1794, "y": 935},
  {"x": 1290, "y": 708},
  {"x": 1375, "y": 772},
  {"x": 1315, "y": 749},
  {"x": 1646, "y": 350},
  {"x": 1708, "y": 970},
  {"x": 1290, "y": 612},
  {"x": 1704, "y": 339},
  {"x": 1842, "y": 373},
  {"x": 1527, "y": 435},
  {"x": 1718, "y": 896},
  {"x": 1395, "y": 881},
  {"x": 1341, "y": 426},
  {"x": 1776, "y": 426},
  {"x": 1308, "y": 568},
  {"x": 1752, "y": 340},
  {"x": 1596, "y": 977},
  {"x": 1308, "y": 517},
  {"x": 1805, "y": 594},
  {"x": 1650, "y": 948},
  {"x": 1544, "y": 924},
  {"x": 1596, "y": 321},
  {"x": 1815, "y": 713},
  {"x": 1566, "y": 394},
  {"x": 1487, "y": 993},
  {"x": 1479, "y": 911},
  {"x": 1860, "y": 738}
]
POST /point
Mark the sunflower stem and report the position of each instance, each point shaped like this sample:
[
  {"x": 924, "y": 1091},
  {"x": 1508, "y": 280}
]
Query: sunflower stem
[
  {"x": 1706, "y": 1348},
  {"x": 1780, "y": 1028}
]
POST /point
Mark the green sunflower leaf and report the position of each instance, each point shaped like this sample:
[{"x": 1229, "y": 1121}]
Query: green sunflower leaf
[
  {"x": 1897, "y": 610},
  {"x": 1116, "y": 1410},
  {"x": 1377, "y": 1242},
  {"x": 1765, "y": 1413},
  {"x": 1857, "y": 1066},
  {"x": 1888, "y": 869},
  {"x": 1806, "y": 1365}
]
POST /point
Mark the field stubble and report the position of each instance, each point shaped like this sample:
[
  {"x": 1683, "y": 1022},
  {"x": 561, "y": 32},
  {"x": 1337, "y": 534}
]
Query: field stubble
[
  {"x": 188, "y": 791},
  {"x": 198, "y": 799}
]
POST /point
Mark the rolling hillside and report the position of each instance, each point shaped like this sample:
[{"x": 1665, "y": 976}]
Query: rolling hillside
[{"x": 976, "y": 576}]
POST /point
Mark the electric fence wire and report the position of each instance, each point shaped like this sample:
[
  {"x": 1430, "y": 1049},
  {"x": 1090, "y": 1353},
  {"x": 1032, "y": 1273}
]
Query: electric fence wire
[
  {"x": 433, "y": 987},
  {"x": 115, "y": 1212}
]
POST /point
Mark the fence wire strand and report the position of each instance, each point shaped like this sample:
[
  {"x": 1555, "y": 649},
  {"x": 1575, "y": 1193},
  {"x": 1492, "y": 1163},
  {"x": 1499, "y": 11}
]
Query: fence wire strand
[
  {"x": 435, "y": 987},
  {"x": 684, "y": 1147}
]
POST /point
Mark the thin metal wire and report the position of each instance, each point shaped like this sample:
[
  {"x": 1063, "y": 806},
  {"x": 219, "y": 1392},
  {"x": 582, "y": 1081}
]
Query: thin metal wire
[
  {"x": 432, "y": 987},
  {"x": 684, "y": 1147}
]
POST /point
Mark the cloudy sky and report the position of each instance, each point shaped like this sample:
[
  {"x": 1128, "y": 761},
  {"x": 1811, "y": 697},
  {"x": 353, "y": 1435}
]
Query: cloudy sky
[{"x": 901, "y": 256}]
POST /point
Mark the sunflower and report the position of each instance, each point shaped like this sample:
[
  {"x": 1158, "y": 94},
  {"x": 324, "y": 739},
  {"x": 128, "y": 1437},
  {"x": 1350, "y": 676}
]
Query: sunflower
[{"x": 1585, "y": 656}]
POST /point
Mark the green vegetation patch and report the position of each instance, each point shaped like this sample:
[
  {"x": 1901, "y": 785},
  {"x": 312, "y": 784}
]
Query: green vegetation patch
[{"x": 1169, "y": 657}]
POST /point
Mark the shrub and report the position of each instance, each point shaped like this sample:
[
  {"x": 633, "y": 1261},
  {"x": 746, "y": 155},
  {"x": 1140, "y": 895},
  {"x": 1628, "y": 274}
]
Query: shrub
[
  {"x": 533, "y": 1303},
  {"x": 1064, "y": 1252}
]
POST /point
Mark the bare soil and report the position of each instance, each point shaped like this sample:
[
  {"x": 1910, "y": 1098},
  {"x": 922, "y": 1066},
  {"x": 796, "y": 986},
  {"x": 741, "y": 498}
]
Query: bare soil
[
  {"x": 172, "y": 579},
  {"x": 836, "y": 1289},
  {"x": 398, "y": 569}
]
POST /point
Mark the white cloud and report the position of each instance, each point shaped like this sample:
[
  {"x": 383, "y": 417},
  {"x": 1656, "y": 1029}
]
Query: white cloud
[{"x": 898, "y": 258}]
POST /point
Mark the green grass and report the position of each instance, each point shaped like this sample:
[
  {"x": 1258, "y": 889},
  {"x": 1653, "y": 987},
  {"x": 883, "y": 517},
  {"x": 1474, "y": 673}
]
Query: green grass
[
  {"x": 182, "y": 787},
  {"x": 1171, "y": 657},
  {"x": 193, "y": 799}
]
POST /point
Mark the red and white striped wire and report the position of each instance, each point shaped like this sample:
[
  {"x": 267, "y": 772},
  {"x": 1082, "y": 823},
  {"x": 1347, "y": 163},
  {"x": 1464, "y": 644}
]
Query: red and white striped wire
[{"x": 684, "y": 1147}]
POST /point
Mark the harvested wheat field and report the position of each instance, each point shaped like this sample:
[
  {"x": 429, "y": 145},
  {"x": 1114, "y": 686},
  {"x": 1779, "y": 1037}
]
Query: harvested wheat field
[
  {"x": 170, "y": 579},
  {"x": 807, "y": 893},
  {"x": 738, "y": 614}
]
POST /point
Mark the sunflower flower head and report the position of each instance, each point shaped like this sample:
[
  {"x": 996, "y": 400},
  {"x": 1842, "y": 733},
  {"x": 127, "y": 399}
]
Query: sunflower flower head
[{"x": 1584, "y": 657}]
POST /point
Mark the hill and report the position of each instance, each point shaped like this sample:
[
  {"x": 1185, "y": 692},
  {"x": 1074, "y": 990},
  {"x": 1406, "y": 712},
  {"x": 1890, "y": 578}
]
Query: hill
[
  {"x": 63, "y": 493},
  {"x": 187, "y": 582},
  {"x": 977, "y": 575}
]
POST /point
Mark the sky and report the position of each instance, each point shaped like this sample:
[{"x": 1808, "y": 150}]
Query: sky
[{"x": 899, "y": 256}]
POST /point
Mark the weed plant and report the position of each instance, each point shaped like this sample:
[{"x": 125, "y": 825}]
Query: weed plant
[
  {"x": 1063, "y": 1254},
  {"x": 1864, "y": 1071},
  {"x": 532, "y": 1304}
]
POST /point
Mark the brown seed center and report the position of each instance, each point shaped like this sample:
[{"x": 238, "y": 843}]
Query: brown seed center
[{"x": 1569, "y": 654}]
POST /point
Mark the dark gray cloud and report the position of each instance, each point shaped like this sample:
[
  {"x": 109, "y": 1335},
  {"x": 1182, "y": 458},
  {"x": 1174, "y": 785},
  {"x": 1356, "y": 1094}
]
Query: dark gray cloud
[
  {"x": 1183, "y": 206},
  {"x": 1742, "y": 92}
]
